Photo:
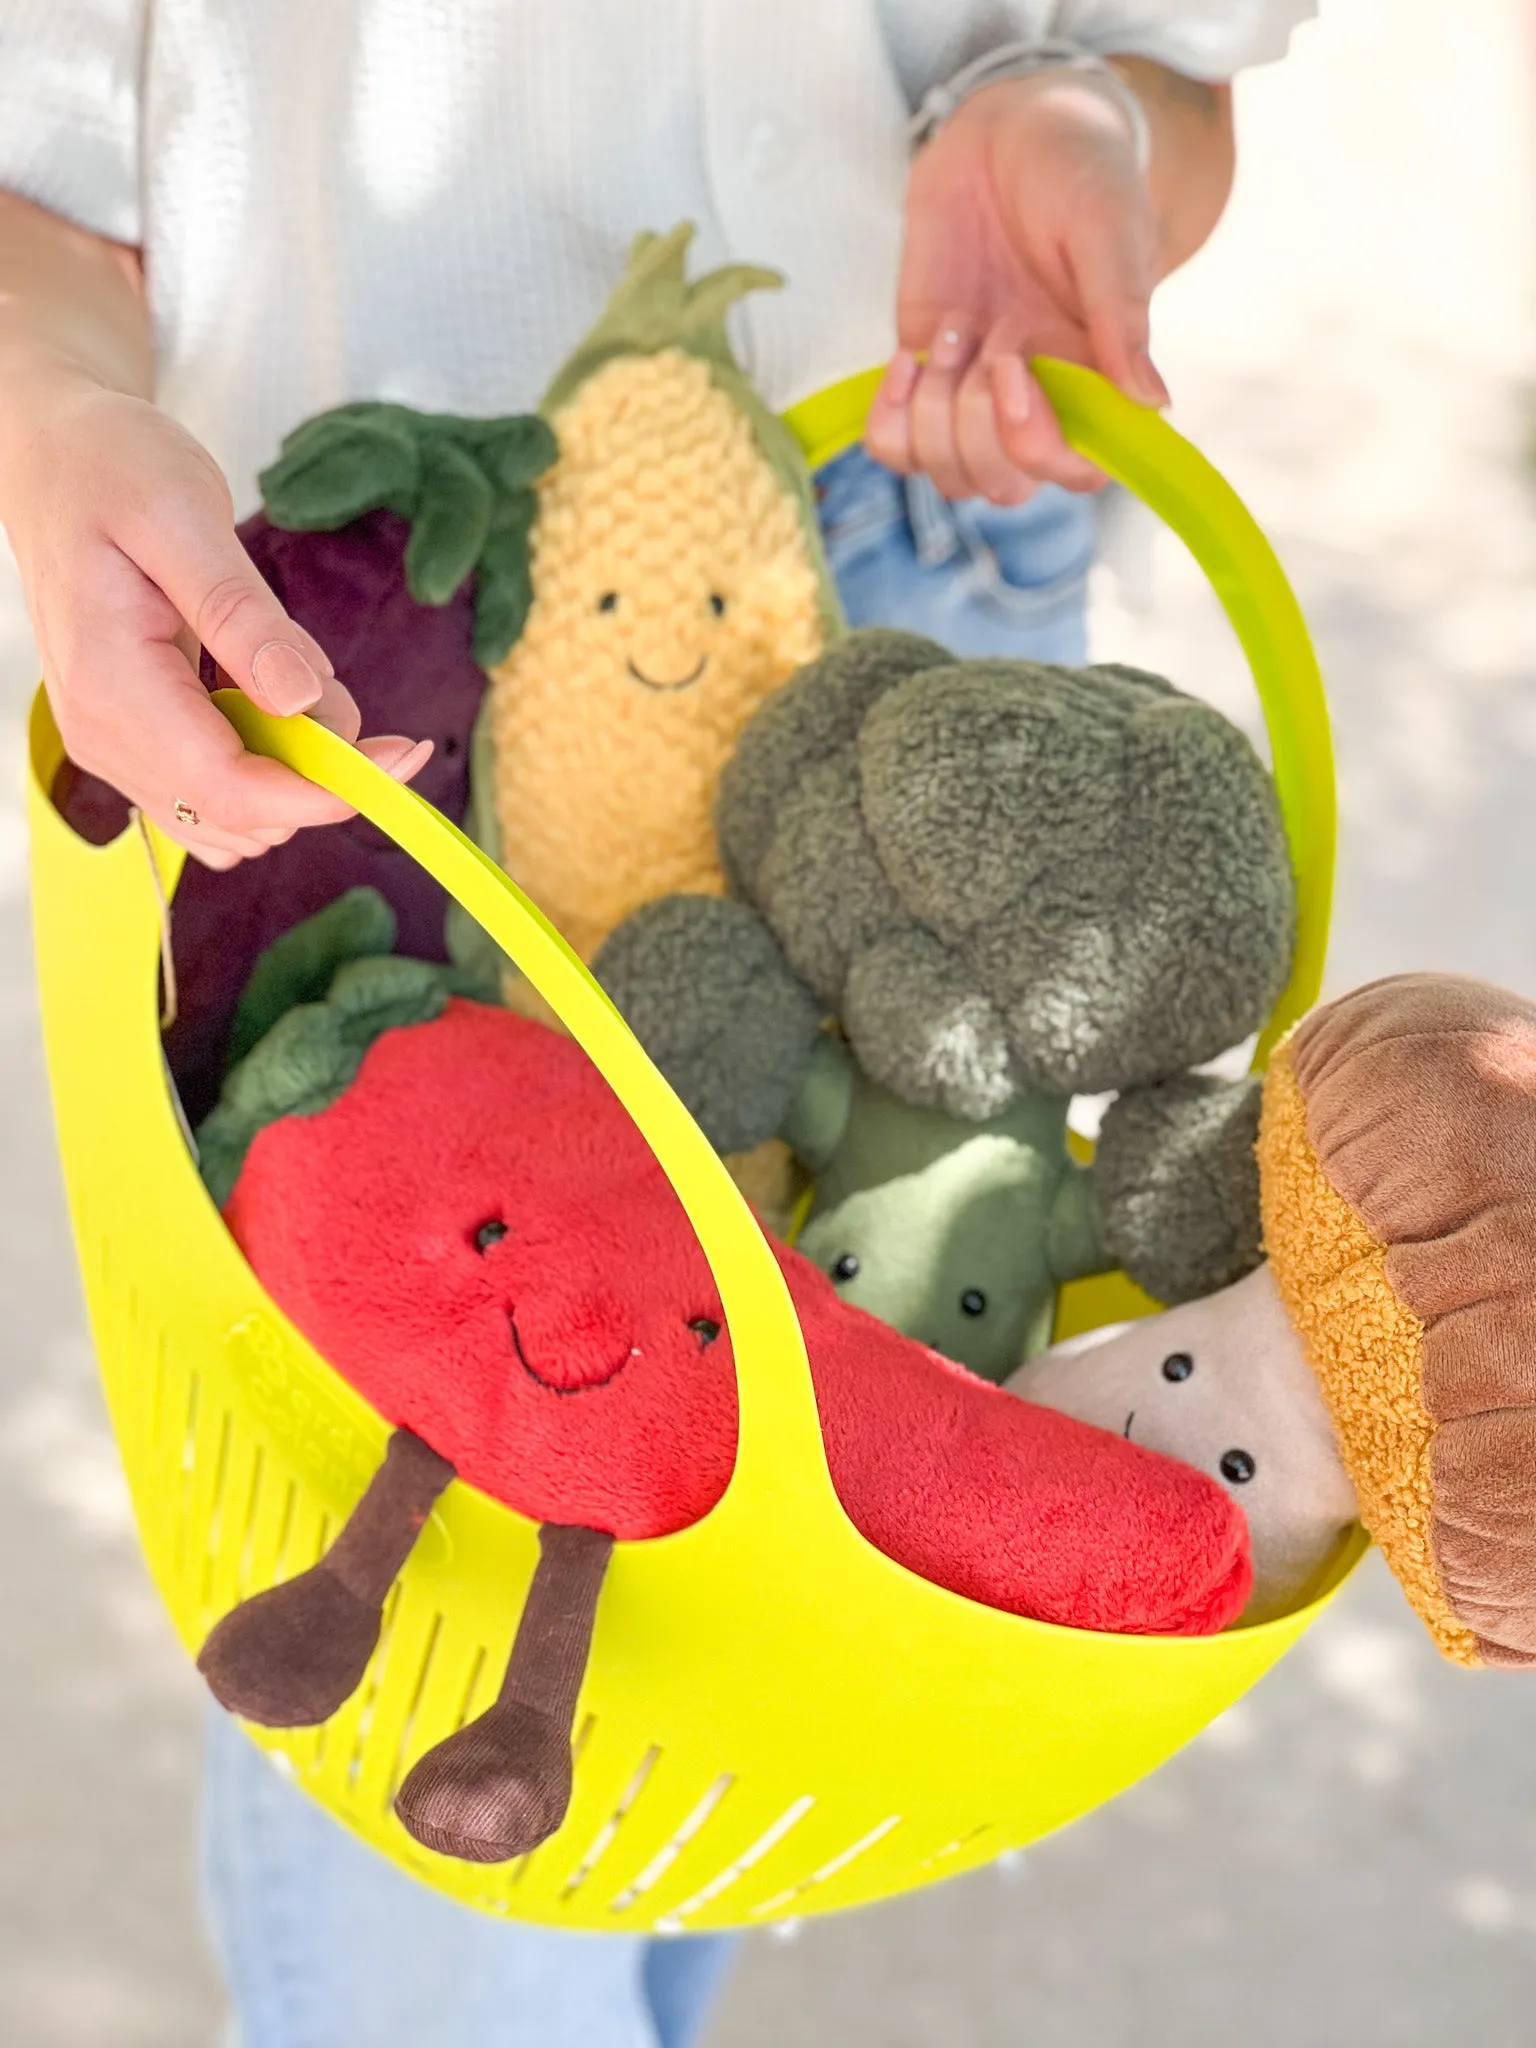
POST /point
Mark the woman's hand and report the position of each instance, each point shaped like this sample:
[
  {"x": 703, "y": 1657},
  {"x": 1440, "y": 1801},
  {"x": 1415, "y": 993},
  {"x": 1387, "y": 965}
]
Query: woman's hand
[
  {"x": 123, "y": 531},
  {"x": 124, "y": 534},
  {"x": 1032, "y": 230}
]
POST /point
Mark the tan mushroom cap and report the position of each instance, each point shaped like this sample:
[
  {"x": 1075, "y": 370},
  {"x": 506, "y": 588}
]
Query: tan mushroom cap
[{"x": 1398, "y": 1159}]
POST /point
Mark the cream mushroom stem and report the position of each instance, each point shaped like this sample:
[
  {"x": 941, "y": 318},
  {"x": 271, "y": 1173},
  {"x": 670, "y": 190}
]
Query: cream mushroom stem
[{"x": 1223, "y": 1384}]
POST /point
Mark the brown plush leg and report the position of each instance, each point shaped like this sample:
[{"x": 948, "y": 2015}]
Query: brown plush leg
[
  {"x": 289, "y": 1657},
  {"x": 501, "y": 1786}
]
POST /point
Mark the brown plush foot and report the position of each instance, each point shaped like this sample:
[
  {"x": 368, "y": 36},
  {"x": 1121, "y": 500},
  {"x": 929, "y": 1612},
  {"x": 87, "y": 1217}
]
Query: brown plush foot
[
  {"x": 501, "y": 1786},
  {"x": 291, "y": 1656},
  {"x": 493, "y": 1791}
]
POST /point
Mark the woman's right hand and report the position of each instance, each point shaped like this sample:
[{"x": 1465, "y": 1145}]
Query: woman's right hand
[{"x": 123, "y": 530}]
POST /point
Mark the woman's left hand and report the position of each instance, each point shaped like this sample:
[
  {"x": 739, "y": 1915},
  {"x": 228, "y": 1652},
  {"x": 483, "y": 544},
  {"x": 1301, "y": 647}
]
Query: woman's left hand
[{"x": 1033, "y": 230}]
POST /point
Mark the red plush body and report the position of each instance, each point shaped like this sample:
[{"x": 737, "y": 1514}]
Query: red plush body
[{"x": 568, "y": 1368}]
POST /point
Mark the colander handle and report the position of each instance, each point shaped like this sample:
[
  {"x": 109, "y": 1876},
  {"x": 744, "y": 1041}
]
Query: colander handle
[
  {"x": 1139, "y": 449},
  {"x": 780, "y": 1452},
  {"x": 781, "y": 1464}
]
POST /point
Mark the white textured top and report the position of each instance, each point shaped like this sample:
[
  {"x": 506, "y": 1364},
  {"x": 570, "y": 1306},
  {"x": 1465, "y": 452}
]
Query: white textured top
[{"x": 429, "y": 200}]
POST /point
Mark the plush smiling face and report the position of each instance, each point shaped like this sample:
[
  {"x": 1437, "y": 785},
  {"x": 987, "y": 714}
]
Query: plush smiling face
[
  {"x": 1222, "y": 1384},
  {"x": 489, "y": 1252},
  {"x": 674, "y": 589},
  {"x": 953, "y": 1254}
]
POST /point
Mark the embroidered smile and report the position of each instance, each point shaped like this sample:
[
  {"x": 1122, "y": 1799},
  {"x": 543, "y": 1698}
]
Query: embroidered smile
[
  {"x": 585, "y": 1387},
  {"x": 683, "y": 682}
]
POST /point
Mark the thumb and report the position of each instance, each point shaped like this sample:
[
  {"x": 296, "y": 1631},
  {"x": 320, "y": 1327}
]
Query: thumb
[
  {"x": 196, "y": 559},
  {"x": 1110, "y": 256}
]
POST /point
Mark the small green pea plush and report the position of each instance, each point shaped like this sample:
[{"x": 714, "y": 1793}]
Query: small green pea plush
[{"x": 963, "y": 893}]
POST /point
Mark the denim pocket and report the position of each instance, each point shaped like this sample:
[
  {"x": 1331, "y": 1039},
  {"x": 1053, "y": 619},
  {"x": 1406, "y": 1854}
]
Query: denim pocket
[
  {"x": 858, "y": 504},
  {"x": 977, "y": 578},
  {"x": 1029, "y": 560}
]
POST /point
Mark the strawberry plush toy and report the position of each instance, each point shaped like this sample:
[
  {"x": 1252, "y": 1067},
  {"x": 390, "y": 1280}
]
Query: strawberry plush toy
[{"x": 450, "y": 1203}]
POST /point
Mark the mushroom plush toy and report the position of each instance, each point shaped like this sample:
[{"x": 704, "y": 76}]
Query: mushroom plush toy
[{"x": 1382, "y": 1365}]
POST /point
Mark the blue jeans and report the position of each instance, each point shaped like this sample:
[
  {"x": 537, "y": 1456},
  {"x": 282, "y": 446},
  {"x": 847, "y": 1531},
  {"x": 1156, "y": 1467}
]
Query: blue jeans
[
  {"x": 324, "y": 1943},
  {"x": 979, "y": 580}
]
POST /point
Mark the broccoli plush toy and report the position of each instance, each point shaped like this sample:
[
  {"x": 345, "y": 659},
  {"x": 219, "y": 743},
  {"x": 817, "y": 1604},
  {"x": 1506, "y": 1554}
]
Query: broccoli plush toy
[
  {"x": 1006, "y": 885},
  {"x": 451, "y": 1204}
]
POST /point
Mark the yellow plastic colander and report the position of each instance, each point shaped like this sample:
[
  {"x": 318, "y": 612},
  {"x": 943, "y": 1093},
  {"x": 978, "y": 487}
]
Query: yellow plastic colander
[{"x": 777, "y": 1720}]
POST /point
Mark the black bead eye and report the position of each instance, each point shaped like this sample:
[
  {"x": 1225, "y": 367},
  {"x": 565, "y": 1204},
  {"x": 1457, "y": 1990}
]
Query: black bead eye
[
  {"x": 609, "y": 601},
  {"x": 489, "y": 1234},
  {"x": 717, "y": 604},
  {"x": 706, "y": 1329},
  {"x": 1237, "y": 1468},
  {"x": 1178, "y": 1365},
  {"x": 846, "y": 1267},
  {"x": 973, "y": 1302}
]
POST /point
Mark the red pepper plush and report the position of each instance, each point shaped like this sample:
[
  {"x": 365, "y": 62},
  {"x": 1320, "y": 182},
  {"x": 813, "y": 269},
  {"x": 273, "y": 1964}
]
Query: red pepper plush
[{"x": 479, "y": 1240}]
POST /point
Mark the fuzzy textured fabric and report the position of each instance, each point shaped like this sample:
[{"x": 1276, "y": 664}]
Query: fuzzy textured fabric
[
  {"x": 311, "y": 1055},
  {"x": 957, "y": 1231},
  {"x": 688, "y": 973},
  {"x": 1084, "y": 873},
  {"x": 956, "y": 1234},
  {"x": 677, "y": 582},
  {"x": 465, "y": 485},
  {"x": 1008, "y": 884},
  {"x": 1365, "y": 1345},
  {"x": 477, "y": 1237},
  {"x": 299, "y": 967},
  {"x": 1419, "y": 1097},
  {"x": 1177, "y": 1192},
  {"x": 411, "y": 670}
]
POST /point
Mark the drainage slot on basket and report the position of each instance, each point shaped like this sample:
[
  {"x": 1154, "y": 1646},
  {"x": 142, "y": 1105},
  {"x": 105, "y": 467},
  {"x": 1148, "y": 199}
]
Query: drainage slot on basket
[
  {"x": 215, "y": 1527},
  {"x": 158, "y": 1388},
  {"x": 181, "y": 1563},
  {"x": 840, "y": 1862},
  {"x": 189, "y": 1434},
  {"x": 668, "y": 1854},
  {"x": 476, "y": 1673},
  {"x": 248, "y": 1533},
  {"x": 408, "y": 1724},
  {"x": 284, "y": 1530},
  {"x": 610, "y": 1827},
  {"x": 672, "y": 1923},
  {"x": 373, "y": 1684}
]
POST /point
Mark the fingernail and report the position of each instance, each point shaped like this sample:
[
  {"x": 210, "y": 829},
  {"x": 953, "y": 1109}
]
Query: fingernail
[
  {"x": 948, "y": 349},
  {"x": 900, "y": 380},
  {"x": 1150, "y": 387},
  {"x": 282, "y": 680},
  {"x": 402, "y": 765},
  {"x": 1010, "y": 386}
]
